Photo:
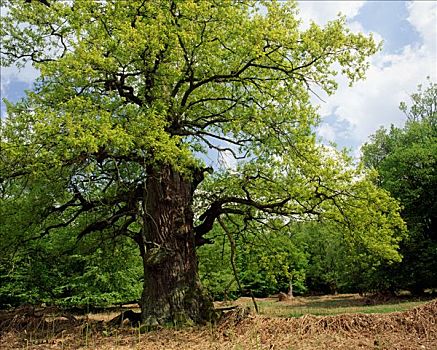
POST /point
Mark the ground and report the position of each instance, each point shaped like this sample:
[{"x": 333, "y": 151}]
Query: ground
[{"x": 354, "y": 322}]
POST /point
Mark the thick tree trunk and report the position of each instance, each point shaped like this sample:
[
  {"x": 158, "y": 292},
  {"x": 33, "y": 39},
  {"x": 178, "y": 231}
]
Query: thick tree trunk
[{"x": 172, "y": 292}]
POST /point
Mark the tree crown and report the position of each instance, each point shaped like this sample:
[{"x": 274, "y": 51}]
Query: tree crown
[{"x": 127, "y": 87}]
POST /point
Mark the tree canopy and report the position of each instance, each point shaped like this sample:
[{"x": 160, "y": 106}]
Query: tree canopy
[{"x": 131, "y": 99}]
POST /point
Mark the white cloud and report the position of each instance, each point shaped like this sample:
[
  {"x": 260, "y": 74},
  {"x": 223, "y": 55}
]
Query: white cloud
[
  {"x": 423, "y": 17},
  {"x": 27, "y": 74},
  {"x": 356, "y": 27},
  {"x": 327, "y": 131},
  {"x": 323, "y": 11},
  {"x": 374, "y": 102},
  {"x": 391, "y": 78}
]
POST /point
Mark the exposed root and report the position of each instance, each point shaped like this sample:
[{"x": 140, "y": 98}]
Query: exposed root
[
  {"x": 133, "y": 317},
  {"x": 284, "y": 297},
  {"x": 235, "y": 316}
]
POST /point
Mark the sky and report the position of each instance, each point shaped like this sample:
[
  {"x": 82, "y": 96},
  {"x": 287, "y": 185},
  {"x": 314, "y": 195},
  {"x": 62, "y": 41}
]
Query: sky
[{"x": 409, "y": 56}]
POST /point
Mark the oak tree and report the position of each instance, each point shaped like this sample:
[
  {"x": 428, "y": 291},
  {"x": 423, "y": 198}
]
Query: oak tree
[{"x": 134, "y": 96}]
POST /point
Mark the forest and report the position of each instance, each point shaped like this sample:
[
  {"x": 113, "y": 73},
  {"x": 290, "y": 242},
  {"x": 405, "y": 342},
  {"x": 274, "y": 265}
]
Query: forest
[{"x": 107, "y": 194}]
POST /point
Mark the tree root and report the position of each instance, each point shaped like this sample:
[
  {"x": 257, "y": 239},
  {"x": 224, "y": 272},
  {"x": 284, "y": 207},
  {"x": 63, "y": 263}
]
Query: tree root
[{"x": 134, "y": 318}]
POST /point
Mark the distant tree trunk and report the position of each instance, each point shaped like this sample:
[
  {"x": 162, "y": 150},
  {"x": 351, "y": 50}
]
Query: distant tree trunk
[
  {"x": 172, "y": 292},
  {"x": 290, "y": 289}
]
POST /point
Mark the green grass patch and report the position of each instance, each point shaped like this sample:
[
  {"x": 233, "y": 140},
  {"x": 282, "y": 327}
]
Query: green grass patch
[
  {"x": 329, "y": 307},
  {"x": 374, "y": 309}
]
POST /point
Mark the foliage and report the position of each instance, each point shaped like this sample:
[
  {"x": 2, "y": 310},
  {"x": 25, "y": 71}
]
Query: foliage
[
  {"x": 406, "y": 159},
  {"x": 59, "y": 271},
  {"x": 325, "y": 251},
  {"x": 316, "y": 256},
  {"x": 265, "y": 263},
  {"x": 270, "y": 262},
  {"x": 215, "y": 267}
]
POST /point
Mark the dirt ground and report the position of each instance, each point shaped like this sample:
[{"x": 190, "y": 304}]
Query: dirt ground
[{"x": 414, "y": 329}]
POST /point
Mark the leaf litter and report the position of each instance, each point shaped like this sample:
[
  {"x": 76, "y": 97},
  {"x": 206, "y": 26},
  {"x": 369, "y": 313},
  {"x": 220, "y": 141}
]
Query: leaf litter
[{"x": 238, "y": 329}]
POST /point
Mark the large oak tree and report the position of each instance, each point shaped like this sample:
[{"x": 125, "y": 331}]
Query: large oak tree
[{"x": 133, "y": 96}]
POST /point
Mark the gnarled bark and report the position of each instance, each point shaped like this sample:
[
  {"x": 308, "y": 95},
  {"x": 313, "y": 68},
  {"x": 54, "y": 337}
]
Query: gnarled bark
[{"x": 172, "y": 292}]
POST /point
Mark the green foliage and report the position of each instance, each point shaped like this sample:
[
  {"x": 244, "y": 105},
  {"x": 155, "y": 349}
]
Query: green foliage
[
  {"x": 215, "y": 267},
  {"x": 325, "y": 250},
  {"x": 58, "y": 270},
  {"x": 269, "y": 263},
  {"x": 316, "y": 257},
  {"x": 266, "y": 262},
  {"x": 406, "y": 160}
]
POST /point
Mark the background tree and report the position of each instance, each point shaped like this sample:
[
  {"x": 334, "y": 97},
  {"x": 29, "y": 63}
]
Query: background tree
[
  {"x": 406, "y": 159},
  {"x": 266, "y": 260},
  {"x": 129, "y": 97},
  {"x": 325, "y": 252},
  {"x": 314, "y": 255},
  {"x": 338, "y": 265},
  {"x": 58, "y": 270}
]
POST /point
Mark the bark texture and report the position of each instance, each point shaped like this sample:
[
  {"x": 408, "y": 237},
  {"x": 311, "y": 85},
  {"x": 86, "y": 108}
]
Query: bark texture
[{"x": 172, "y": 291}]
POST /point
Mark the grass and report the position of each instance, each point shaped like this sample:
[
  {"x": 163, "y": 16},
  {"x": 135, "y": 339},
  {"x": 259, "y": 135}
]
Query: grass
[
  {"x": 287, "y": 311},
  {"x": 328, "y": 306}
]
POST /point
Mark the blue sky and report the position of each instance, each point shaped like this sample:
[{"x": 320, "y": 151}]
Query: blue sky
[
  {"x": 409, "y": 55},
  {"x": 389, "y": 19}
]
